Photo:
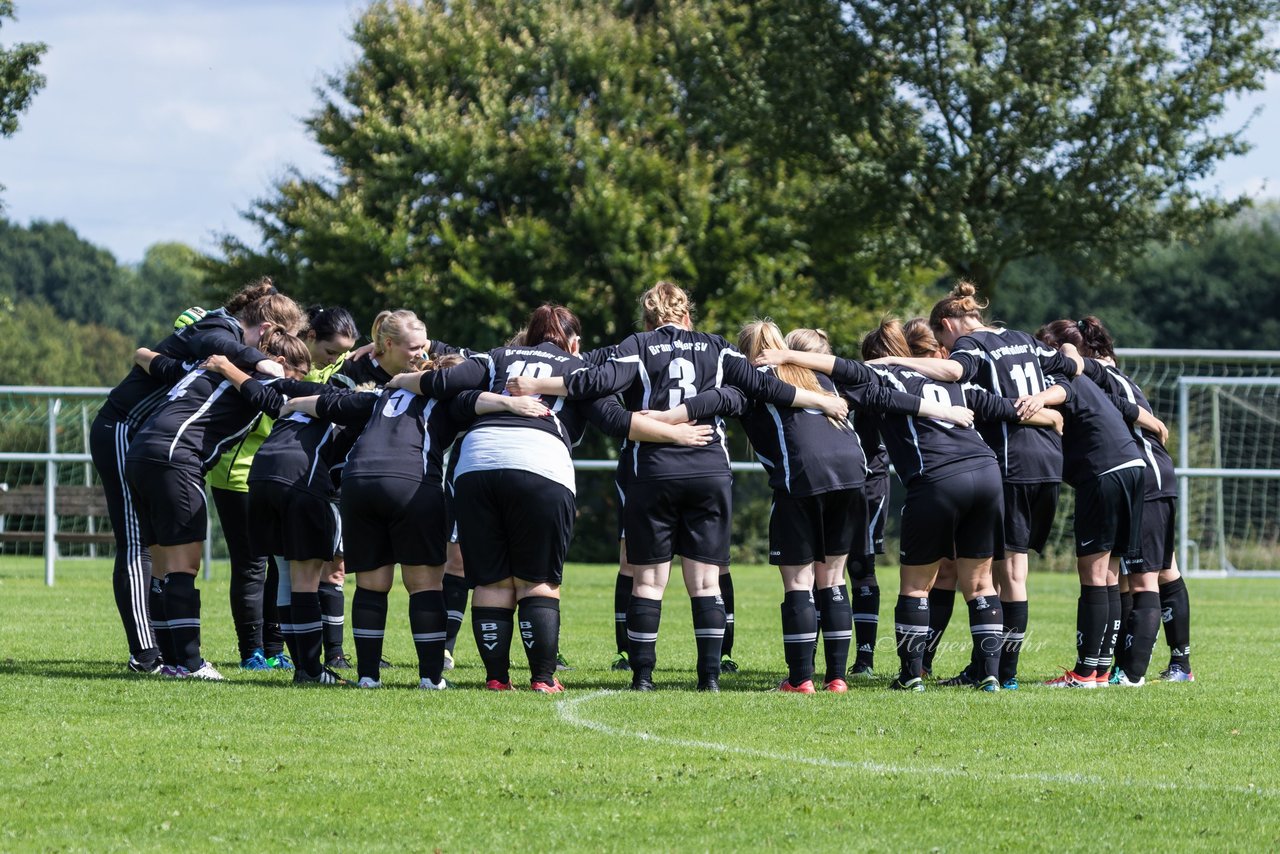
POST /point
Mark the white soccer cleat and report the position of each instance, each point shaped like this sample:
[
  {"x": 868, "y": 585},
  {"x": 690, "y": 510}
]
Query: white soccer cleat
[
  {"x": 368, "y": 682},
  {"x": 207, "y": 672},
  {"x": 1125, "y": 682},
  {"x": 426, "y": 684}
]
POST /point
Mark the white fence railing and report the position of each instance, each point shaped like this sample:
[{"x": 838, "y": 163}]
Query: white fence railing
[{"x": 51, "y": 456}]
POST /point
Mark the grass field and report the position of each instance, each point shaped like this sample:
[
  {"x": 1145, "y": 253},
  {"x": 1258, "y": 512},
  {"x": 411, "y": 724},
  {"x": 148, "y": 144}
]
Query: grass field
[{"x": 95, "y": 759}]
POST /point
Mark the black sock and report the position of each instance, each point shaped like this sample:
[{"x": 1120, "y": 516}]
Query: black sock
[
  {"x": 306, "y": 631},
  {"x": 332, "y": 609},
  {"x": 182, "y": 604},
  {"x": 455, "y": 606},
  {"x": 427, "y": 622},
  {"x": 986, "y": 625},
  {"x": 911, "y": 632},
  {"x": 865, "y": 602},
  {"x": 942, "y": 603},
  {"x": 709, "y": 622},
  {"x": 540, "y": 634},
  {"x": 1175, "y": 613},
  {"x": 1112, "y": 637},
  {"x": 1122, "y": 649},
  {"x": 1140, "y": 638},
  {"x": 493, "y": 628},
  {"x": 272, "y": 634},
  {"x": 726, "y": 596},
  {"x": 284, "y": 613},
  {"x": 368, "y": 626},
  {"x": 160, "y": 622},
  {"x": 643, "y": 617},
  {"x": 1092, "y": 627},
  {"x": 621, "y": 601},
  {"x": 837, "y": 629},
  {"x": 1015, "y": 632},
  {"x": 799, "y": 634}
]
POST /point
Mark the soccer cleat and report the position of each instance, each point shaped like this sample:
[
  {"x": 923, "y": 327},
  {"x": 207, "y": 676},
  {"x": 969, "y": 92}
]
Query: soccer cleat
[
  {"x": 805, "y": 687},
  {"x": 207, "y": 672},
  {"x": 255, "y": 661},
  {"x": 861, "y": 672},
  {"x": 426, "y": 684},
  {"x": 448, "y": 660},
  {"x": 495, "y": 685},
  {"x": 990, "y": 684},
  {"x": 1124, "y": 681},
  {"x": 1069, "y": 679},
  {"x": 1010, "y": 684},
  {"x": 280, "y": 661},
  {"x": 915, "y": 684},
  {"x": 562, "y": 663},
  {"x": 173, "y": 671},
  {"x": 383, "y": 664},
  {"x": 1113, "y": 678},
  {"x": 552, "y": 687},
  {"x": 728, "y": 665},
  {"x": 338, "y": 662},
  {"x": 326, "y": 677},
  {"x": 710, "y": 684},
  {"x": 642, "y": 683},
  {"x": 960, "y": 680},
  {"x": 368, "y": 682},
  {"x": 621, "y": 663},
  {"x": 836, "y": 686},
  {"x": 150, "y": 668},
  {"x": 1176, "y": 673}
]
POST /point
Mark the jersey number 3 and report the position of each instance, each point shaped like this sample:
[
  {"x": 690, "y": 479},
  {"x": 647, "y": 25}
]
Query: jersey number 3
[{"x": 682, "y": 371}]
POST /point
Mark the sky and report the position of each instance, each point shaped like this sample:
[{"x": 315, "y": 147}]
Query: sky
[{"x": 164, "y": 120}]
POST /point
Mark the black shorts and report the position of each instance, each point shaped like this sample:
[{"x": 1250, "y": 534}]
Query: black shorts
[
  {"x": 292, "y": 523},
  {"x": 812, "y": 527},
  {"x": 170, "y": 502},
  {"x": 513, "y": 524},
  {"x": 1159, "y": 516},
  {"x": 691, "y": 518},
  {"x": 1109, "y": 517},
  {"x": 958, "y": 516},
  {"x": 876, "y": 494},
  {"x": 389, "y": 520},
  {"x": 1029, "y": 509}
]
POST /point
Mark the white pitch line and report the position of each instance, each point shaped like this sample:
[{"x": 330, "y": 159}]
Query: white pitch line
[{"x": 567, "y": 709}]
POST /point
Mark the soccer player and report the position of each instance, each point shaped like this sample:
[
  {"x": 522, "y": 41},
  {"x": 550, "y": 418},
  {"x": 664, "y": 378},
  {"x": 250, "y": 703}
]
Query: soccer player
[
  {"x": 515, "y": 488},
  {"x": 166, "y": 463},
  {"x": 954, "y": 497},
  {"x": 678, "y": 497},
  {"x": 232, "y": 331},
  {"x": 1141, "y": 592},
  {"x": 1102, "y": 462},
  {"x": 328, "y": 334},
  {"x": 1012, "y": 364},
  {"x": 816, "y": 468}
]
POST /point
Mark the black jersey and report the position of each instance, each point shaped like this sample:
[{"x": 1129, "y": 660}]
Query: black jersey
[
  {"x": 1096, "y": 437},
  {"x": 1161, "y": 480},
  {"x": 872, "y": 447},
  {"x": 1013, "y": 364},
  {"x": 490, "y": 372},
  {"x": 403, "y": 435},
  {"x": 141, "y": 393},
  {"x": 304, "y": 452},
  {"x": 662, "y": 369},
  {"x": 921, "y": 448},
  {"x": 204, "y": 414}
]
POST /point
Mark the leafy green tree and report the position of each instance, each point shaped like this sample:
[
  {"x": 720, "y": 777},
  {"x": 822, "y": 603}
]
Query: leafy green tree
[
  {"x": 19, "y": 80},
  {"x": 490, "y": 156},
  {"x": 1069, "y": 129},
  {"x": 39, "y": 347}
]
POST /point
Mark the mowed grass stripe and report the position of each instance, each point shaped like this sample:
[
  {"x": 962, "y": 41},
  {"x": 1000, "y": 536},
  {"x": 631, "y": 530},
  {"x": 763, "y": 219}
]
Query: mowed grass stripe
[{"x": 95, "y": 759}]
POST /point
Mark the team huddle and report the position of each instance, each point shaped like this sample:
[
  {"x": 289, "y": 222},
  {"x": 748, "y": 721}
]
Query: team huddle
[{"x": 457, "y": 466}]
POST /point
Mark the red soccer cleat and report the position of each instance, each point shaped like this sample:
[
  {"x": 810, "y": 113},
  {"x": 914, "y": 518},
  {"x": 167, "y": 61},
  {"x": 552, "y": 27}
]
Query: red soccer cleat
[
  {"x": 805, "y": 687},
  {"x": 495, "y": 685},
  {"x": 836, "y": 686},
  {"x": 544, "y": 688}
]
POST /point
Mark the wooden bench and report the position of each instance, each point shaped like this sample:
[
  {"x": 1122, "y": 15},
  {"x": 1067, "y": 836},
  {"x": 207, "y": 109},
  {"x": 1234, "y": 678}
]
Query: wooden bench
[{"x": 83, "y": 501}]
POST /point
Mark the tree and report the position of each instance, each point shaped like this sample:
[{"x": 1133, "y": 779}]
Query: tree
[
  {"x": 38, "y": 347},
  {"x": 19, "y": 81},
  {"x": 1072, "y": 129},
  {"x": 493, "y": 155}
]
